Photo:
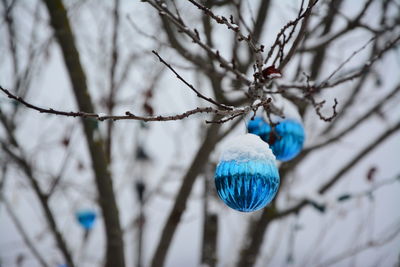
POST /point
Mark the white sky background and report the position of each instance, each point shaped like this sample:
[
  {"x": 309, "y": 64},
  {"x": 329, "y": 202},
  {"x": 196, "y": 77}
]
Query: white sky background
[{"x": 176, "y": 142}]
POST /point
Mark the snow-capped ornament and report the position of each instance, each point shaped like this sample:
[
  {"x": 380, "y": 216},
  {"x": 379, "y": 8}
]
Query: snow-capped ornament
[
  {"x": 288, "y": 140},
  {"x": 246, "y": 177},
  {"x": 86, "y": 218}
]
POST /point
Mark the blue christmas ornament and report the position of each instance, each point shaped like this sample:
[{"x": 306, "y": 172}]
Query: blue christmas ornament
[
  {"x": 246, "y": 177},
  {"x": 289, "y": 140},
  {"x": 86, "y": 218}
]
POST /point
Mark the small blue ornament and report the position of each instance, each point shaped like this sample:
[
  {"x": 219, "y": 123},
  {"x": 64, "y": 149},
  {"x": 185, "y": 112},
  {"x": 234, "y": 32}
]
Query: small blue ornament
[
  {"x": 86, "y": 218},
  {"x": 247, "y": 178},
  {"x": 289, "y": 142}
]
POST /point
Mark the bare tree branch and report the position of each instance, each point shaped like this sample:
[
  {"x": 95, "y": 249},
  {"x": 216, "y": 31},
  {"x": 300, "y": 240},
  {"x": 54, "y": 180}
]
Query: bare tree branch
[
  {"x": 179, "y": 206},
  {"x": 60, "y": 24},
  {"x": 235, "y": 28},
  {"x": 198, "y": 94},
  {"x": 299, "y": 37},
  {"x": 26, "y": 168},
  {"x": 28, "y": 242},
  {"x": 231, "y": 113},
  {"x": 356, "y": 123},
  {"x": 113, "y": 83},
  {"x": 281, "y": 33},
  {"x": 195, "y": 38},
  {"x": 360, "y": 248}
]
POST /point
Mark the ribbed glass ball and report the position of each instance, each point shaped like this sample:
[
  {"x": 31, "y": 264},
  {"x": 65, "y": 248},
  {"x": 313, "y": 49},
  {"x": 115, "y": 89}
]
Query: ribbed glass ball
[
  {"x": 86, "y": 218},
  {"x": 247, "y": 181},
  {"x": 290, "y": 141}
]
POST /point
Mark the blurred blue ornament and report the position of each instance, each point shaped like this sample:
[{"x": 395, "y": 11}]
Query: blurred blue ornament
[
  {"x": 247, "y": 178},
  {"x": 86, "y": 218},
  {"x": 289, "y": 140},
  {"x": 258, "y": 126}
]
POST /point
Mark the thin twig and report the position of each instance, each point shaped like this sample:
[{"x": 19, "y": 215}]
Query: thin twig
[
  {"x": 235, "y": 28},
  {"x": 292, "y": 23},
  {"x": 28, "y": 242},
  {"x": 366, "y": 66},
  {"x": 349, "y": 58},
  {"x": 356, "y": 123},
  {"x": 163, "y": 10},
  {"x": 234, "y": 112},
  {"x": 198, "y": 94}
]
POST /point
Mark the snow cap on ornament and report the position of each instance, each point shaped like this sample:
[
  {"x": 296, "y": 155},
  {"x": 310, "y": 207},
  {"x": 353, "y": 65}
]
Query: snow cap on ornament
[
  {"x": 288, "y": 141},
  {"x": 246, "y": 177}
]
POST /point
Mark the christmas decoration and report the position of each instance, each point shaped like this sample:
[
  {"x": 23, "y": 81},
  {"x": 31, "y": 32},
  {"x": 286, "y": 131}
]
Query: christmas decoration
[
  {"x": 286, "y": 141},
  {"x": 86, "y": 218},
  {"x": 246, "y": 177}
]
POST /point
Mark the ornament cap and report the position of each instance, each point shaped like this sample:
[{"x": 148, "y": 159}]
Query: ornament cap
[{"x": 248, "y": 147}]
